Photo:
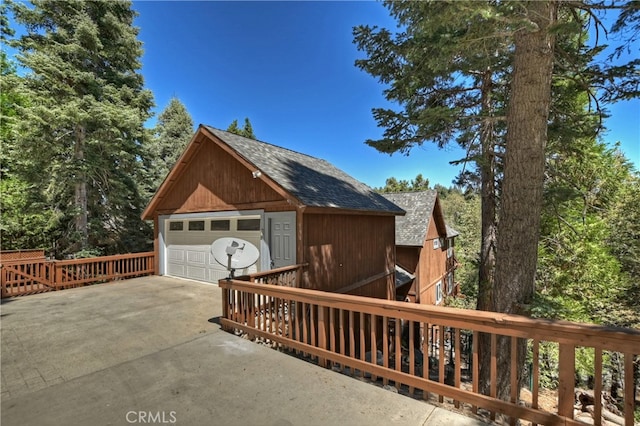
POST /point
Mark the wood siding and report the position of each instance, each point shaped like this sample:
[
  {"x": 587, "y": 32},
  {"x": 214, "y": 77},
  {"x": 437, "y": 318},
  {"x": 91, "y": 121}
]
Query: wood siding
[
  {"x": 429, "y": 266},
  {"x": 345, "y": 249},
  {"x": 216, "y": 181},
  {"x": 432, "y": 267}
]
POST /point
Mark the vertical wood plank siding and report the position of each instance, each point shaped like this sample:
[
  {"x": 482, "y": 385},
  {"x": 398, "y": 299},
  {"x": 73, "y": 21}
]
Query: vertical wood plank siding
[
  {"x": 215, "y": 181},
  {"x": 343, "y": 249},
  {"x": 443, "y": 365},
  {"x": 432, "y": 267}
]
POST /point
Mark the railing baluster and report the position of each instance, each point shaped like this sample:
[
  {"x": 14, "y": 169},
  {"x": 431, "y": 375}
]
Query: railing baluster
[
  {"x": 374, "y": 344},
  {"x": 412, "y": 355},
  {"x": 493, "y": 388},
  {"x": 385, "y": 347},
  {"x": 629, "y": 389},
  {"x": 322, "y": 333},
  {"x": 363, "y": 348},
  {"x": 342, "y": 342},
  {"x": 397, "y": 330},
  {"x": 566, "y": 379},
  {"x": 304, "y": 325},
  {"x": 275, "y": 314},
  {"x": 289, "y": 314},
  {"x": 352, "y": 339},
  {"x": 313, "y": 326},
  {"x": 536, "y": 374},
  {"x": 441, "y": 360},
  {"x": 332, "y": 333},
  {"x": 513, "y": 375},
  {"x": 475, "y": 379},
  {"x": 297, "y": 323},
  {"x": 425, "y": 358},
  {"x": 457, "y": 363},
  {"x": 597, "y": 388}
]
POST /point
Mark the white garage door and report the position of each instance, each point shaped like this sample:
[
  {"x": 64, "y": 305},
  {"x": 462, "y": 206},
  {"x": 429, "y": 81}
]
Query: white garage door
[{"x": 188, "y": 245}]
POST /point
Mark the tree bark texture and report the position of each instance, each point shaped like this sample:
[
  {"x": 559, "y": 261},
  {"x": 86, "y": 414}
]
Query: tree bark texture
[
  {"x": 488, "y": 225},
  {"x": 521, "y": 197},
  {"x": 80, "y": 198}
]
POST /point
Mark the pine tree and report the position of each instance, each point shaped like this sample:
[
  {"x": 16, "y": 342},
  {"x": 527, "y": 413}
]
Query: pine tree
[
  {"x": 481, "y": 73},
  {"x": 246, "y": 130},
  {"x": 171, "y": 135},
  {"x": 80, "y": 137},
  {"x": 394, "y": 185}
]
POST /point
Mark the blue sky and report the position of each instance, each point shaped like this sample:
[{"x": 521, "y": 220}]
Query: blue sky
[{"x": 289, "y": 67}]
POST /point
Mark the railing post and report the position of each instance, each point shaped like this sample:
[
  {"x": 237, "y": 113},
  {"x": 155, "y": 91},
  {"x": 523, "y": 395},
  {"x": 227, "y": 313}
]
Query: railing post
[
  {"x": 225, "y": 305},
  {"x": 322, "y": 333},
  {"x": 566, "y": 380},
  {"x": 57, "y": 280},
  {"x": 3, "y": 281},
  {"x": 110, "y": 275}
]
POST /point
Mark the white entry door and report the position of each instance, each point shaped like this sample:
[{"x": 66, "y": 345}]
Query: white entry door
[{"x": 281, "y": 238}]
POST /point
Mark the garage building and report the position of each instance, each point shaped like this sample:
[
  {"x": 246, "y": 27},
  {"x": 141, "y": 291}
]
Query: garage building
[{"x": 297, "y": 209}]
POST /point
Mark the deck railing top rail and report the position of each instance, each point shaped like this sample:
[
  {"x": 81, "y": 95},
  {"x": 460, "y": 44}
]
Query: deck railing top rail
[
  {"x": 580, "y": 334},
  {"x": 270, "y": 272}
]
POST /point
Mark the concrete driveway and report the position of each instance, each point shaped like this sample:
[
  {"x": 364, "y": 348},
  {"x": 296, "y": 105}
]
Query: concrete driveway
[{"x": 150, "y": 351}]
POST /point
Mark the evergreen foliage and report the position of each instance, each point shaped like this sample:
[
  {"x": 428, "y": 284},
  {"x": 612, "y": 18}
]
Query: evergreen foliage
[
  {"x": 171, "y": 135},
  {"x": 79, "y": 138},
  {"x": 394, "y": 185},
  {"x": 246, "y": 130}
]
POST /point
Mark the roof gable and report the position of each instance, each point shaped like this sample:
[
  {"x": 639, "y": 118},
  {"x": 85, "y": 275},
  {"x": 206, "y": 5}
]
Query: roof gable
[
  {"x": 311, "y": 181},
  {"x": 411, "y": 229},
  {"x": 421, "y": 206}
]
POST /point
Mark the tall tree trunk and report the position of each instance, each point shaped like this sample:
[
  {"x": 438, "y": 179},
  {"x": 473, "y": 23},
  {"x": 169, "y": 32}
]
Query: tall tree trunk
[
  {"x": 488, "y": 225},
  {"x": 521, "y": 197},
  {"x": 80, "y": 199}
]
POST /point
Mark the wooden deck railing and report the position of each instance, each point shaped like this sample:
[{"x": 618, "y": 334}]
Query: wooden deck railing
[
  {"x": 288, "y": 276},
  {"x": 359, "y": 335},
  {"x": 36, "y": 276}
]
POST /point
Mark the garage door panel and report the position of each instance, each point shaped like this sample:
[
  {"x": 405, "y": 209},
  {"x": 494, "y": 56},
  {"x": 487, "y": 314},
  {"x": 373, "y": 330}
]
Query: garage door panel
[
  {"x": 177, "y": 270},
  {"x": 197, "y": 273},
  {"x": 196, "y": 257},
  {"x": 175, "y": 255}
]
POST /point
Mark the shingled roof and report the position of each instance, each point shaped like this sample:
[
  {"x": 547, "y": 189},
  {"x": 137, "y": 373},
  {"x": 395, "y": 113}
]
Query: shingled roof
[
  {"x": 313, "y": 181},
  {"x": 411, "y": 229}
]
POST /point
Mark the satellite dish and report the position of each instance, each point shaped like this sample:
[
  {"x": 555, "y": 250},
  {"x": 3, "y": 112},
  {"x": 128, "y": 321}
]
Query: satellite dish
[{"x": 234, "y": 253}]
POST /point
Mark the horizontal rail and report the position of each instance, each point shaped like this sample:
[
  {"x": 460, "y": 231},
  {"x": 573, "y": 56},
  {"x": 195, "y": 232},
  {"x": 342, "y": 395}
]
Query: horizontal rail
[
  {"x": 425, "y": 347},
  {"x": 288, "y": 276}
]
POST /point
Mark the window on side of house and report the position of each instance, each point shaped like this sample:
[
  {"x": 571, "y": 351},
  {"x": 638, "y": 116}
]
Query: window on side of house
[
  {"x": 439, "y": 292},
  {"x": 176, "y": 226},
  {"x": 436, "y": 243},
  {"x": 248, "y": 225},
  {"x": 450, "y": 283},
  {"x": 196, "y": 225},
  {"x": 220, "y": 225}
]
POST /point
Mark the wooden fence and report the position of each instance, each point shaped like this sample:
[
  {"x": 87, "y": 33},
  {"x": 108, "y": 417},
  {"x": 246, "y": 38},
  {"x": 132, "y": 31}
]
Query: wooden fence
[
  {"x": 362, "y": 336},
  {"x": 23, "y": 277}
]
